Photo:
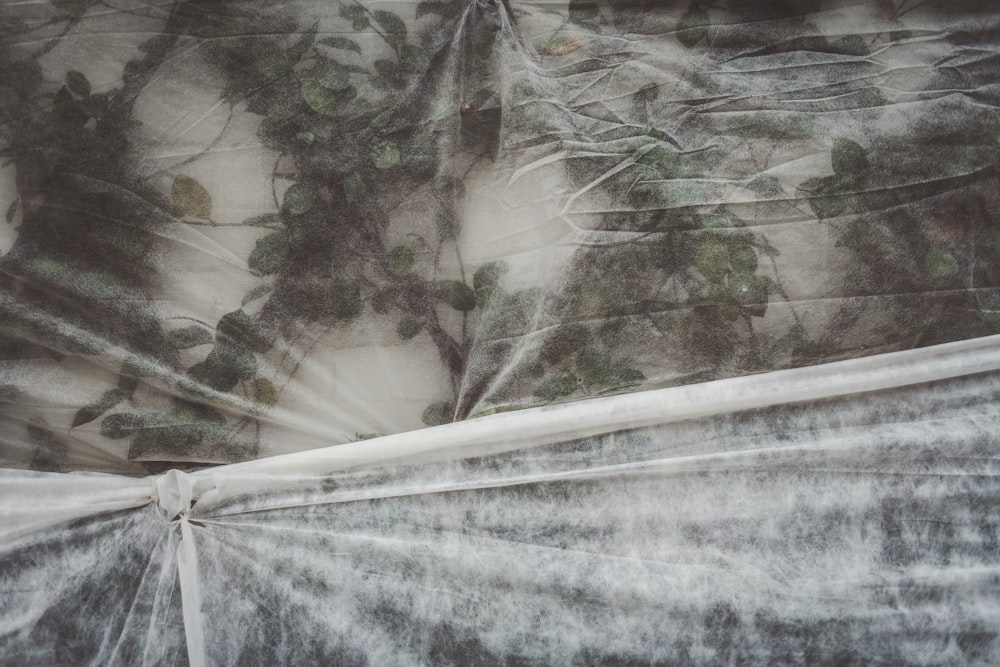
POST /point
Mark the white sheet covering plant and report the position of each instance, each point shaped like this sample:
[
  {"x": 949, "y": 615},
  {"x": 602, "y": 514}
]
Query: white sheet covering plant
[
  {"x": 794, "y": 521},
  {"x": 759, "y": 237}
]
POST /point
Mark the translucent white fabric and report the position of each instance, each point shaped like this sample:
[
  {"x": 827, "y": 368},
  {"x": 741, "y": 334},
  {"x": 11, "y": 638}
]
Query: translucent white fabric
[
  {"x": 699, "y": 301},
  {"x": 242, "y": 228},
  {"x": 795, "y": 519}
]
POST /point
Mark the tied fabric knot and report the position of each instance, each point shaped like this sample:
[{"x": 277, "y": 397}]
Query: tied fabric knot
[{"x": 173, "y": 493}]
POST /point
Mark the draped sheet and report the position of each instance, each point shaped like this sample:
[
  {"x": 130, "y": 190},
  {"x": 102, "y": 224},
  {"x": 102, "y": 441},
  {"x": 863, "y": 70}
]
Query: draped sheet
[
  {"x": 239, "y": 229},
  {"x": 489, "y": 332},
  {"x": 789, "y": 523}
]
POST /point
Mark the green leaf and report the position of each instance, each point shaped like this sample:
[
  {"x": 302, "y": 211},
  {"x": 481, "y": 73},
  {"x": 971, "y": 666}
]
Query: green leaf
[
  {"x": 191, "y": 198},
  {"x": 712, "y": 260},
  {"x": 565, "y": 341},
  {"x": 414, "y": 59},
  {"x": 438, "y": 413},
  {"x": 89, "y": 413},
  {"x": 192, "y": 428},
  {"x": 563, "y": 46},
  {"x": 400, "y": 261},
  {"x": 940, "y": 264},
  {"x": 268, "y": 254},
  {"x": 321, "y": 99},
  {"x": 330, "y": 74},
  {"x": 188, "y": 337},
  {"x": 275, "y": 65},
  {"x": 850, "y": 160},
  {"x": 45, "y": 270},
  {"x": 392, "y": 24},
  {"x": 743, "y": 258},
  {"x": 729, "y": 311},
  {"x": 662, "y": 162},
  {"x": 280, "y": 108},
  {"x": 246, "y": 366},
  {"x": 98, "y": 286},
  {"x": 225, "y": 366},
  {"x": 300, "y": 198},
  {"x": 265, "y": 392},
  {"x": 556, "y": 387},
  {"x": 341, "y": 43},
  {"x": 751, "y": 291},
  {"x": 393, "y": 75},
  {"x": 78, "y": 83},
  {"x": 121, "y": 425},
  {"x": 628, "y": 377},
  {"x": 489, "y": 274},
  {"x": 693, "y": 26},
  {"x": 826, "y": 200},
  {"x": 582, "y": 10},
  {"x": 386, "y": 155},
  {"x": 303, "y": 43},
  {"x": 409, "y": 327},
  {"x": 456, "y": 294},
  {"x": 236, "y": 329},
  {"x": 594, "y": 367}
]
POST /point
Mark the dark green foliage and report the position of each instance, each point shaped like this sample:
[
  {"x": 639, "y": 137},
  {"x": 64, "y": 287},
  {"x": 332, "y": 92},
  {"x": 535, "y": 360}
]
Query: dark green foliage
[
  {"x": 191, "y": 197},
  {"x": 693, "y": 25},
  {"x": 825, "y": 196},
  {"x": 438, "y": 413},
  {"x": 89, "y": 413},
  {"x": 345, "y": 299},
  {"x": 359, "y": 135},
  {"x": 401, "y": 261},
  {"x": 78, "y": 83},
  {"x": 268, "y": 254},
  {"x": 240, "y": 330},
  {"x": 566, "y": 340},
  {"x": 190, "y": 428},
  {"x": 557, "y": 387},
  {"x": 50, "y": 450},
  {"x": 456, "y": 294},
  {"x": 421, "y": 156},
  {"x": 409, "y": 327},
  {"x": 121, "y": 425},
  {"x": 384, "y": 300},
  {"x": 299, "y": 199},
  {"x": 341, "y": 43},
  {"x": 446, "y": 8},
  {"x": 488, "y": 275},
  {"x": 191, "y": 336},
  {"x": 850, "y": 162},
  {"x": 582, "y": 10}
]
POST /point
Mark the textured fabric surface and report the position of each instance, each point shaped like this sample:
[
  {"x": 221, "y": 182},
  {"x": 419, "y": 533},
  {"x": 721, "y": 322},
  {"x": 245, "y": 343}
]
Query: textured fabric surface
[
  {"x": 243, "y": 228},
  {"x": 699, "y": 301},
  {"x": 855, "y": 529}
]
